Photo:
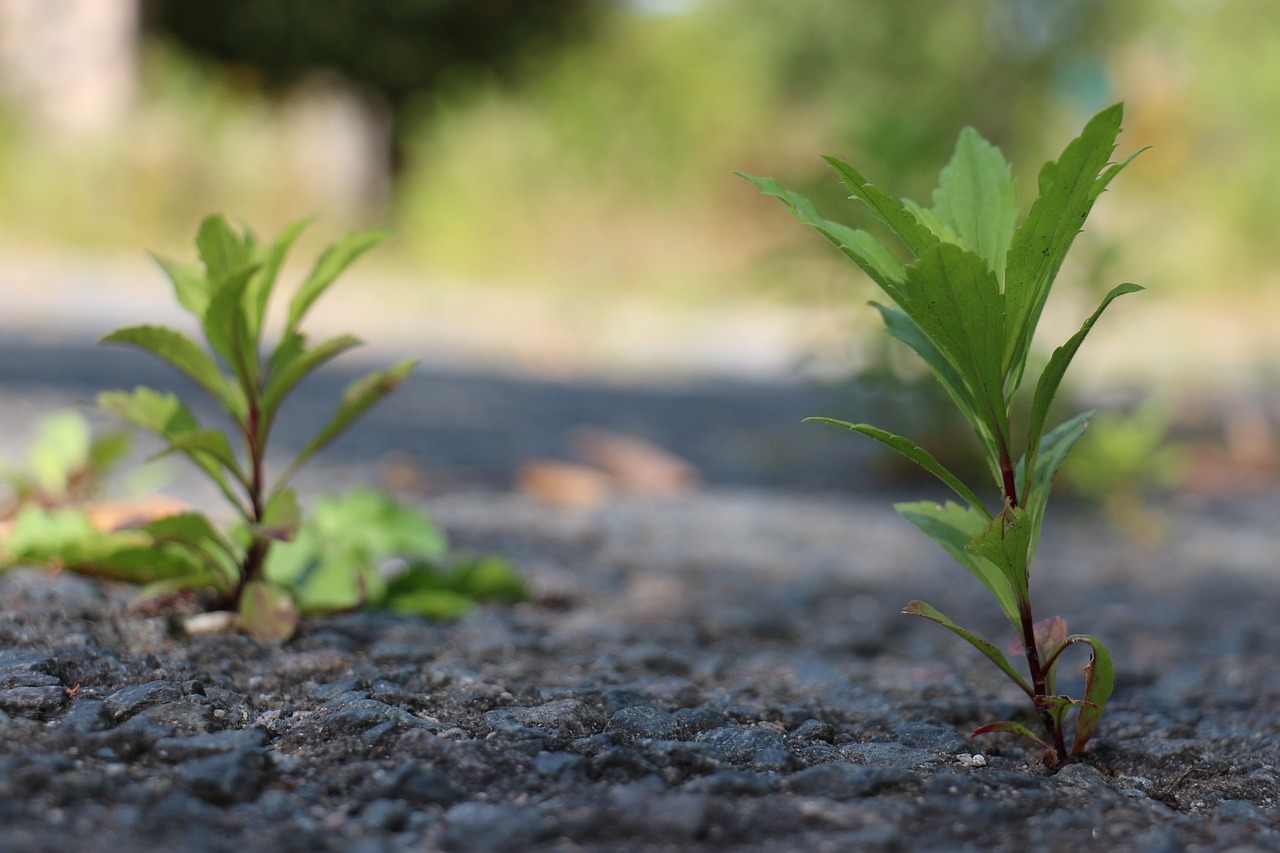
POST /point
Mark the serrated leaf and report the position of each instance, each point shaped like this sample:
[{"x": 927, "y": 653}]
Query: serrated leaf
[
  {"x": 1100, "y": 679},
  {"x": 268, "y": 612},
  {"x": 1051, "y": 379},
  {"x": 916, "y": 454},
  {"x": 978, "y": 200},
  {"x": 166, "y": 415},
  {"x": 902, "y": 327},
  {"x": 956, "y": 302},
  {"x": 919, "y": 608},
  {"x": 328, "y": 267},
  {"x": 887, "y": 209},
  {"x": 1068, "y": 189},
  {"x": 953, "y": 527},
  {"x": 356, "y": 400},
  {"x": 184, "y": 354},
  {"x": 866, "y": 251},
  {"x": 1006, "y": 541},
  {"x": 221, "y": 249}
]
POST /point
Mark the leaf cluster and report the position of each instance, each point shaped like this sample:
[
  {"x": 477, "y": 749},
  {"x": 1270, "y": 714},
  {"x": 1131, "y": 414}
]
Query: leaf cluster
[
  {"x": 968, "y": 304},
  {"x": 228, "y": 294}
]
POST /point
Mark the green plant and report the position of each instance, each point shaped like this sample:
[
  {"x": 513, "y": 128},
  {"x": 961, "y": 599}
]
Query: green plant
[
  {"x": 229, "y": 296},
  {"x": 969, "y": 305},
  {"x": 364, "y": 548},
  {"x": 67, "y": 463}
]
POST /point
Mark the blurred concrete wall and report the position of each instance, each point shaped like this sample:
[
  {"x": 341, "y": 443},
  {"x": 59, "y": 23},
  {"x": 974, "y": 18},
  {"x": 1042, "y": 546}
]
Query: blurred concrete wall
[{"x": 71, "y": 65}]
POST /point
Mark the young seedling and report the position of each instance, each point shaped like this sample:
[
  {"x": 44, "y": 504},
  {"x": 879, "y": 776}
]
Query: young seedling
[
  {"x": 969, "y": 305},
  {"x": 229, "y": 297}
]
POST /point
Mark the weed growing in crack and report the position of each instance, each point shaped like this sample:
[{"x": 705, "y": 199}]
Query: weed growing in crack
[{"x": 969, "y": 305}]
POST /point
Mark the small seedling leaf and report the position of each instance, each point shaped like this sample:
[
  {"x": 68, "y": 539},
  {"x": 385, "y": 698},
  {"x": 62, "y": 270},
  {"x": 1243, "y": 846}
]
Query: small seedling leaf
[
  {"x": 1054, "y": 448},
  {"x": 1009, "y": 727},
  {"x": 226, "y": 328},
  {"x": 268, "y": 612},
  {"x": 919, "y": 608},
  {"x": 1100, "y": 680}
]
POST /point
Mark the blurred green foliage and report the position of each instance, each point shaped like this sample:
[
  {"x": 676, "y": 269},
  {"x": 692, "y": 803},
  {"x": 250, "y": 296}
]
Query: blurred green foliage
[{"x": 596, "y": 138}]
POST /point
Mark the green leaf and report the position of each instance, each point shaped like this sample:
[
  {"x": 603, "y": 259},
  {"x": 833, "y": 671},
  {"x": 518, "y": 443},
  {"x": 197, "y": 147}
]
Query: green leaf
[
  {"x": 441, "y": 604},
  {"x": 1068, "y": 189},
  {"x": 919, "y": 608},
  {"x": 866, "y": 251},
  {"x": 226, "y": 326},
  {"x": 209, "y": 444},
  {"x": 292, "y": 362},
  {"x": 1009, "y": 727},
  {"x": 282, "y": 516},
  {"x": 356, "y": 400},
  {"x": 956, "y": 302},
  {"x": 1051, "y": 379},
  {"x": 190, "y": 285},
  {"x": 978, "y": 200},
  {"x": 192, "y": 531},
  {"x": 268, "y": 612},
  {"x": 902, "y": 327},
  {"x": 953, "y": 528},
  {"x": 887, "y": 209},
  {"x": 165, "y": 415},
  {"x": 1053, "y": 451},
  {"x": 221, "y": 250},
  {"x": 258, "y": 292},
  {"x": 916, "y": 454},
  {"x": 1006, "y": 541},
  {"x": 1100, "y": 679},
  {"x": 60, "y": 451},
  {"x": 327, "y": 268},
  {"x": 183, "y": 353}
]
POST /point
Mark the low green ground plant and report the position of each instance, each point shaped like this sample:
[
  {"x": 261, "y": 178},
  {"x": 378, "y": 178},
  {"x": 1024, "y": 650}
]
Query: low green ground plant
[
  {"x": 968, "y": 304},
  {"x": 273, "y": 563}
]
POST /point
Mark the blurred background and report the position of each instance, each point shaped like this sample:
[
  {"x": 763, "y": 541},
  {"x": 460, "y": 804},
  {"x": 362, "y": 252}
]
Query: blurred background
[{"x": 560, "y": 177}]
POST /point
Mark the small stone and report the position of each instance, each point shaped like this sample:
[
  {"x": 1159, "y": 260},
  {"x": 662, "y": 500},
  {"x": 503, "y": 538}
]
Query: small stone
[
  {"x": 703, "y": 719},
  {"x": 231, "y": 777},
  {"x": 420, "y": 785},
  {"x": 32, "y": 701},
  {"x": 642, "y": 721},
  {"x": 386, "y": 815},
  {"x": 127, "y": 701},
  {"x": 178, "y": 749},
  {"x": 839, "y": 781},
  {"x": 491, "y": 828},
  {"x": 758, "y": 749},
  {"x": 334, "y": 689},
  {"x": 930, "y": 736}
]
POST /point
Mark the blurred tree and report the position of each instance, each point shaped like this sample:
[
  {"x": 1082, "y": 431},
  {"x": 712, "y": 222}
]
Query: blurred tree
[{"x": 396, "y": 48}]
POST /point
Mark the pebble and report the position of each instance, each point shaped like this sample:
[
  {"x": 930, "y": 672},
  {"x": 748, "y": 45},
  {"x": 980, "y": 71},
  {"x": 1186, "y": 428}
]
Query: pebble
[{"x": 642, "y": 721}]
